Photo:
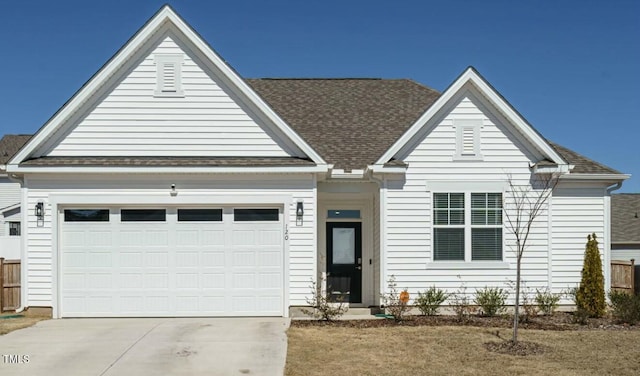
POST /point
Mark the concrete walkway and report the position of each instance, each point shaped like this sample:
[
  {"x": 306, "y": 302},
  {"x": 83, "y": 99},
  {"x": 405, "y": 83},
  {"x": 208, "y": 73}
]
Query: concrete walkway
[{"x": 174, "y": 346}]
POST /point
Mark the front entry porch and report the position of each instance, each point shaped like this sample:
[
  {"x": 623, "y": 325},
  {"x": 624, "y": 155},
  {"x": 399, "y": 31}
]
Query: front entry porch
[{"x": 348, "y": 242}]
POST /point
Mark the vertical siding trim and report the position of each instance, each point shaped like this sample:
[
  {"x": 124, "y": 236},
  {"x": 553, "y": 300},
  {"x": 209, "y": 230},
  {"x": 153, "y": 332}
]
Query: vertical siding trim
[
  {"x": 55, "y": 265},
  {"x": 607, "y": 240},
  {"x": 550, "y": 242},
  {"x": 383, "y": 236},
  {"x": 24, "y": 234},
  {"x": 316, "y": 220}
]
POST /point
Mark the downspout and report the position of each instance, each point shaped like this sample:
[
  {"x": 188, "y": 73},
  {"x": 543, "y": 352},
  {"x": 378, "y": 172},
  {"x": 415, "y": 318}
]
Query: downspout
[{"x": 20, "y": 180}]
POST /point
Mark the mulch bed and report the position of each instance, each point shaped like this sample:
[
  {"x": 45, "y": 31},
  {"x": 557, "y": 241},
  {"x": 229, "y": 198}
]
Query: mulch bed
[{"x": 557, "y": 321}]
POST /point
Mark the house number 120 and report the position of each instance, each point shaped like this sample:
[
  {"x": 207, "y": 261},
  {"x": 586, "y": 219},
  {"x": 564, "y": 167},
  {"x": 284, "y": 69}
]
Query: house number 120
[{"x": 286, "y": 232}]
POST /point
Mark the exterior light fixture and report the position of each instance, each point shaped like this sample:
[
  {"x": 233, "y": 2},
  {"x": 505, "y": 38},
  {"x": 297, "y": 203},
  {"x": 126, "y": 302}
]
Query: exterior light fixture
[
  {"x": 299, "y": 213},
  {"x": 39, "y": 213},
  {"x": 39, "y": 210},
  {"x": 173, "y": 191}
]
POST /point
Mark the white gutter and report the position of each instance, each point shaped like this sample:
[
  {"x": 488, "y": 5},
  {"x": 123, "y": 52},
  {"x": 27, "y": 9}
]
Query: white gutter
[
  {"x": 611, "y": 177},
  {"x": 166, "y": 170},
  {"x": 382, "y": 169}
]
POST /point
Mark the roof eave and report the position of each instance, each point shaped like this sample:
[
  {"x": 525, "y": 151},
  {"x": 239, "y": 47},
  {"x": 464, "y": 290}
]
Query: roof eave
[
  {"x": 15, "y": 169},
  {"x": 596, "y": 177}
]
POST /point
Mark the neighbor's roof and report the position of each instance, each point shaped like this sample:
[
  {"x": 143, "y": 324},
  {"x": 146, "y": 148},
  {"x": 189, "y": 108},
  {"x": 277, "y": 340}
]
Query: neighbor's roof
[
  {"x": 349, "y": 122},
  {"x": 625, "y": 218},
  {"x": 10, "y": 144}
]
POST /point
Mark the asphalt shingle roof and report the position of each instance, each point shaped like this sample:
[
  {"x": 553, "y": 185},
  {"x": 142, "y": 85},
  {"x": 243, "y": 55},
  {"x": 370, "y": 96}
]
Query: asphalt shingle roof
[
  {"x": 625, "y": 218},
  {"x": 583, "y": 165},
  {"x": 349, "y": 122},
  {"x": 10, "y": 144}
]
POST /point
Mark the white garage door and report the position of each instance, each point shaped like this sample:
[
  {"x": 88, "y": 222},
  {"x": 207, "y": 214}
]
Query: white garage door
[{"x": 127, "y": 262}]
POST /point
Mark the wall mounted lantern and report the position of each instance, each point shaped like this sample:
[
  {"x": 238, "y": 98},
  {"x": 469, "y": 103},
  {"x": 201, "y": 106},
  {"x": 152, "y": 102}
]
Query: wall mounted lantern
[
  {"x": 173, "y": 191},
  {"x": 39, "y": 213},
  {"x": 39, "y": 210},
  {"x": 299, "y": 213}
]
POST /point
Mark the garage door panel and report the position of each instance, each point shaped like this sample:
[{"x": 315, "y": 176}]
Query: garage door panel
[{"x": 171, "y": 268}]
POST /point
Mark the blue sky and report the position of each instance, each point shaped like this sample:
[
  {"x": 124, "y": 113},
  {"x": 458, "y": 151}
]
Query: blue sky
[{"x": 572, "y": 68}]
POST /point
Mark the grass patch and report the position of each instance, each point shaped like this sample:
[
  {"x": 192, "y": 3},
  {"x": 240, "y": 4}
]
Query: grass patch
[
  {"x": 9, "y": 323},
  {"x": 457, "y": 351}
]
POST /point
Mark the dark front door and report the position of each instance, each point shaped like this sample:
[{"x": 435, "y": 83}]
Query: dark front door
[{"x": 344, "y": 260}]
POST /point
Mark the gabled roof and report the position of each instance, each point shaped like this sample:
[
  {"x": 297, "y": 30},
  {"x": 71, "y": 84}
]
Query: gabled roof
[
  {"x": 471, "y": 78},
  {"x": 163, "y": 22},
  {"x": 10, "y": 144},
  {"x": 625, "y": 218},
  {"x": 350, "y": 122}
]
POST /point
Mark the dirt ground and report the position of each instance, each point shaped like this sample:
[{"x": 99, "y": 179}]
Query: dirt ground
[{"x": 441, "y": 346}]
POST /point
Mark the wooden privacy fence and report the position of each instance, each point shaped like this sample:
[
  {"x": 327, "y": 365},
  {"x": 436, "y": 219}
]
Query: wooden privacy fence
[
  {"x": 9, "y": 285},
  {"x": 622, "y": 275}
]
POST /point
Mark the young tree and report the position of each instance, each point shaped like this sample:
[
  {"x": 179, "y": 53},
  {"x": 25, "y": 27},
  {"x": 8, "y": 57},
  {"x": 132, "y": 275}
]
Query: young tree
[
  {"x": 590, "y": 294},
  {"x": 524, "y": 203}
]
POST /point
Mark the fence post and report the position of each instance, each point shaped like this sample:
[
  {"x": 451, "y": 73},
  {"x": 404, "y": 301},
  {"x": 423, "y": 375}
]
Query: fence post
[
  {"x": 1, "y": 284},
  {"x": 633, "y": 277}
]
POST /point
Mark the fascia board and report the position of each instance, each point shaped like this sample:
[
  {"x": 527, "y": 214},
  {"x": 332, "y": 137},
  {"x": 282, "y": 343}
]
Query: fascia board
[
  {"x": 380, "y": 169},
  {"x": 470, "y": 75},
  {"x": 168, "y": 170},
  {"x": 166, "y": 14},
  {"x": 602, "y": 177}
]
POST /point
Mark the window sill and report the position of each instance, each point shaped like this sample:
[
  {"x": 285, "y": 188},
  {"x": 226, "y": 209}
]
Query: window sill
[{"x": 462, "y": 265}]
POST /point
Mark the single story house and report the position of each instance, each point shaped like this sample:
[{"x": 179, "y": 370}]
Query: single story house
[
  {"x": 10, "y": 200},
  {"x": 168, "y": 185},
  {"x": 625, "y": 226}
]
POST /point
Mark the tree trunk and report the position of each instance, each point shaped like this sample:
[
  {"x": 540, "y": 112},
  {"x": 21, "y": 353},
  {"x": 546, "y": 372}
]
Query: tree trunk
[{"x": 517, "y": 304}]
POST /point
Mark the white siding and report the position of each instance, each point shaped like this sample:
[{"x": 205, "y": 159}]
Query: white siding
[
  {"x": 409, "y": 205},
  {"x": 131, "y": 121},
  {"x": 301, "y": 241},
  {"x": 10, "y": 194},
  {"x": 626, "y": 252},
  {"x": 577, "y": 212}
]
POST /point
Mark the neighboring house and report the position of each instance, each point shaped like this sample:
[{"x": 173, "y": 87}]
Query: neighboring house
[
  {"x": 625, "y": 227},
  {"x": 170, "y": 186},
  {"x": 10, "y": 199}
]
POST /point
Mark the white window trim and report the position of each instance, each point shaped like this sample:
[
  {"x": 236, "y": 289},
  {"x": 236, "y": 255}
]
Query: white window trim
[
  {"x": 161, "y": 61},
  {"x": 461, "y": 125},
  {"x": 467, "y": 262}
]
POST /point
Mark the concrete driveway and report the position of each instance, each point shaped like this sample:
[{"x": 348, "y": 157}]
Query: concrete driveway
[{"x": 174, "y": 346}]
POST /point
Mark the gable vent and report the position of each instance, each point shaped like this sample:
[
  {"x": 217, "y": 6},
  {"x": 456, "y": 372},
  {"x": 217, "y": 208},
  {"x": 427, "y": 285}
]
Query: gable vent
[
  {"x": 468, "y": 141},
  {"x": 468, "y": 133},
  {"x": 169, "y": 78},
  {"x": 169, "y": 75}
]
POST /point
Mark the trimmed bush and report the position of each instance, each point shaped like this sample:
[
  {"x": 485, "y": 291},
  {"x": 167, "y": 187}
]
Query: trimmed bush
[
  {"x": 625, "y": 308},
  {"x": 491, "y": 301},
  {"x": 547, "y": 301},
  {"x": 429, "y": 301},
  {"x": 590, "y": 295}
]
